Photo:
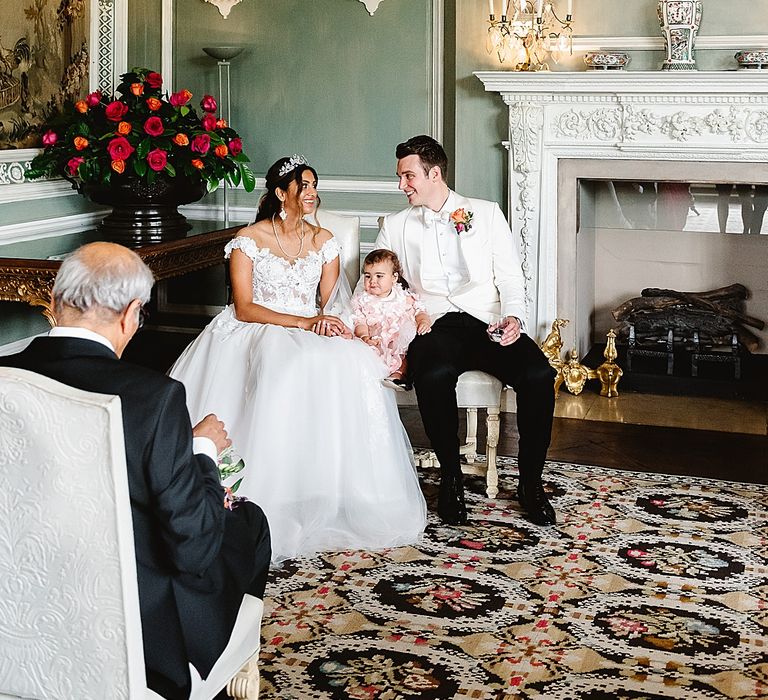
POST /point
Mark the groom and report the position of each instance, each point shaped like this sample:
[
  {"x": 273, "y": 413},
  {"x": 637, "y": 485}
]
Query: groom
[{"x": 459, "y": 255}]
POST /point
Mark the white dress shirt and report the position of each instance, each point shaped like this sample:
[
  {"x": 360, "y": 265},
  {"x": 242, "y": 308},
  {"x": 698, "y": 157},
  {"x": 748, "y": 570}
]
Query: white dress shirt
[
  {"x": 443, "y": 264},
  {"x": 200, "y": 445}
]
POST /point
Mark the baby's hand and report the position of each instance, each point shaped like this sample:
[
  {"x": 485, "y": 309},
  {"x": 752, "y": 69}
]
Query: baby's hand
[
  {"x": 372, "y": 340},
  {"x": 423, "y": 324}
]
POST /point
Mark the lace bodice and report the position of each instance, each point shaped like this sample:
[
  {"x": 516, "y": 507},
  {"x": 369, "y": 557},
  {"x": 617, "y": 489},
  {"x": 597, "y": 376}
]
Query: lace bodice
[{"x": 281, "y": 285}]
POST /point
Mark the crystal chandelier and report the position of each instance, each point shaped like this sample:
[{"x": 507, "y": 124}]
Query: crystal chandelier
[{"x": 532, "y": 35}]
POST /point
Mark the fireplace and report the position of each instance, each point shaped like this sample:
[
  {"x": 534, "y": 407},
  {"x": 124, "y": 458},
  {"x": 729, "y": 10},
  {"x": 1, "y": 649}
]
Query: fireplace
[{"x": 575, "y": 136}]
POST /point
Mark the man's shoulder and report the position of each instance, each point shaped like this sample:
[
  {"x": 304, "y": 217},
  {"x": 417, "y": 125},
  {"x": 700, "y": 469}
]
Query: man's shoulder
[
  {"x": 397, "y": 216},
  {"x": 475, "y": 204}
]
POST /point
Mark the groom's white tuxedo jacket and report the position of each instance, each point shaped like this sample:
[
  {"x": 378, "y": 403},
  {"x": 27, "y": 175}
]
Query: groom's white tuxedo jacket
[{"x": 493, "y": 286}]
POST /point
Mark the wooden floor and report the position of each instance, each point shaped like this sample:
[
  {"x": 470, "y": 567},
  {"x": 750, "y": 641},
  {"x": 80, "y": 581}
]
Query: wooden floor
[{"x": 717, "y": 455}]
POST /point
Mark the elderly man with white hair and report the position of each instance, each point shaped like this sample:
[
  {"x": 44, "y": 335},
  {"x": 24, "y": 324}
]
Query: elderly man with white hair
[{"x": 195, "y": 559}]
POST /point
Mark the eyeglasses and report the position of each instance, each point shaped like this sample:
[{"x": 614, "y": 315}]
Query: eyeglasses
[{"x": 143, "y": 317}]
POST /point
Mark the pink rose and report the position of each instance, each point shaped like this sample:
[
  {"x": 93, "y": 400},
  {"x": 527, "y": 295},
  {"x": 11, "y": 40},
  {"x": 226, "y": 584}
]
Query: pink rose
[
  {"x": 235, "y": 146},
  {"x": 154, "y": 80},
  {"x": 154, "y": 126},
  {"x": 93, "y": 99},
  {"x": 74, "y": 164},
  {"x": 50, "y": 137},
  {"x": 119, "y": 148},
  {"x": 157, "y": 159},
  {"x": 201, "y": 143},
  {"x": 115, "y": 111},
  {"x": 209, "y": 122},
  {"x": 208, "y": 103},
  {"x": 180, "y": 98}
]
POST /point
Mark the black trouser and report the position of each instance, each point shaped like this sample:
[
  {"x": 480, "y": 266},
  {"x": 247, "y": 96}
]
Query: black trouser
[{"x": 457, "y": 343}]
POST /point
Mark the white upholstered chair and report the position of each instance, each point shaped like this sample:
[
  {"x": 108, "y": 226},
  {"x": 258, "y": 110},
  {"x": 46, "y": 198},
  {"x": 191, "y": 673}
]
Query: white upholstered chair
[
  {"x": 474, "y": 390},
  {"x": 69, "y": 616}
]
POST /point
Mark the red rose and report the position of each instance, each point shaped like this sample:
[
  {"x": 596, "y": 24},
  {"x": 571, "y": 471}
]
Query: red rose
[
  {"x": 208, "y": 103},
  {"x": 115, "y": 111},
  {"x": 153, "y": 103},
  {"x": 221, "y": 150},
  {"x": 157, "y": 159},
  {"x": 93, "y": 99},
  {"x": 154, "y": 80},
  {"x": 74, "y": 164},
  {"x": 235, "y": 146},
  {"x": 154, "y": 126},
  {"x": 180, "y": 98},
  {"x": 50, "y": 138},
  {"x": 201, "y": 143},
  {"x": 209, "y": 122},
  {"x": 119, "y": 148}
]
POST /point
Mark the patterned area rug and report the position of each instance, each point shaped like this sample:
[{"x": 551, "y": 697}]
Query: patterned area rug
[{"x": 651, "y": 586}]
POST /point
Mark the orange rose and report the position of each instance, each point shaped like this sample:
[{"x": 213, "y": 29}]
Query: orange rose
[
  {"x": 457, "y": 215},
  {"x": 221, "y": 150},
  {"x": 118, "y": 166},
  {"x": 154, "y": 104},
  {"x": 221, "y": 123},
  {"x": 197, "y": 163},
  {"x": 124, "y": 128},
  {"x": 80, "y": 143},
  {"x": 137, "y": 89},
  {"x": 81, "y": 106},
  {"x": 181, "y": 140}
]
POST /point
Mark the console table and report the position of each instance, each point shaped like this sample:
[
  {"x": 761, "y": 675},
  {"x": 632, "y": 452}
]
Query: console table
[{"x": 27, "y": 270}]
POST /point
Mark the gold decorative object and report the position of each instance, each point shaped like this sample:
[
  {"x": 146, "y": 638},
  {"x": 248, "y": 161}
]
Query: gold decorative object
[
  {"x": 609, "y": 372},
  {"x": 572, "y": 372}
]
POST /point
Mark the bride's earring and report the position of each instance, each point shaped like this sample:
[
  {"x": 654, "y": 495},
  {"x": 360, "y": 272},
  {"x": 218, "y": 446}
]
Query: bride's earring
[{"x": 282, "y": 213}]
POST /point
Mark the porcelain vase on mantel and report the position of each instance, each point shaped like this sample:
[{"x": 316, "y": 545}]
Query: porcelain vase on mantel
[{"x": 680, "y": 21}]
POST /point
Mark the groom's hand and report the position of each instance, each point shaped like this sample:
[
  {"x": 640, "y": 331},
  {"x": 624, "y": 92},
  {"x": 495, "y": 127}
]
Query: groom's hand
[{"x": 512, "y": 330}]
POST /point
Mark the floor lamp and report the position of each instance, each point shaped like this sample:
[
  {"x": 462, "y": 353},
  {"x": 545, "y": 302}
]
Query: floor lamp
[{"x": 223, "y": 56}]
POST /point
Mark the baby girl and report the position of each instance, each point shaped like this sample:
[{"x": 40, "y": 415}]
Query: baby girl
[{"x": 387, "y": 315}]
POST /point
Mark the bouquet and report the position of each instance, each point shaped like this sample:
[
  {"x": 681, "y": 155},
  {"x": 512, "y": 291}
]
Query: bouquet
[
  {"x": 141, "y": 135},
  {"x": 230, "y": 464}
]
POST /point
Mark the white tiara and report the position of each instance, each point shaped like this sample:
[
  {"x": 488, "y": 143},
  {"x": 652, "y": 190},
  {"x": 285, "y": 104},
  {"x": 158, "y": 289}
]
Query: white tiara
[{"x": 291, "y": 164}]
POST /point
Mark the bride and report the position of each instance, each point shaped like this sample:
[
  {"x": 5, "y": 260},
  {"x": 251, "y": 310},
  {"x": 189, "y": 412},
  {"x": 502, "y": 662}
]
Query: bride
[{"x": 326, "y": 455}]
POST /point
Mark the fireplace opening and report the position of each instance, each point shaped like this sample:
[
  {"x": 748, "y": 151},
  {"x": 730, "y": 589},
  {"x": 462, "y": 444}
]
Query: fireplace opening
[{"x": 674, "y": 237}]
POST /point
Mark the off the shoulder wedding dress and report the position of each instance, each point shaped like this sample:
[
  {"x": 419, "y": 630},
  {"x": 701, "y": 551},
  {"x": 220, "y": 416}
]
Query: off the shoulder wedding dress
[{"x": 326, "y": 455}]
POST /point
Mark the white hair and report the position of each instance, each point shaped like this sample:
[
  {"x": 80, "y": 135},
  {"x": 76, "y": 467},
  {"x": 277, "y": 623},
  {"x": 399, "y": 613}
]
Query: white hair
[{"x": 86, "y": 284}]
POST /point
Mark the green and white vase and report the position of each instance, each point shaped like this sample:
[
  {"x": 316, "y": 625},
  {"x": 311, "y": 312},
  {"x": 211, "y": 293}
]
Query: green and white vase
[{"x": 680, "y": 21}]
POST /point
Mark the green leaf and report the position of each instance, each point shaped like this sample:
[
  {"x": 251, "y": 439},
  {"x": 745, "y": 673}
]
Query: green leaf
[
  {"x": 249, "y": 179},
  {"x": 184, "y": 109},
  {"x": 213, "y": 184},
  {"x": 140, "y": 167},
  {"x": 170, "y": 170},
  {"x": 235, "y": 177},
  {"x": 143, "y": 148},
  {"x": 236, "y": 485}
]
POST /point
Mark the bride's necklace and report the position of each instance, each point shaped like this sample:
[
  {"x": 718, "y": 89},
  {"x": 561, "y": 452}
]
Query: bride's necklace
[{"x": 280, "y": 245}]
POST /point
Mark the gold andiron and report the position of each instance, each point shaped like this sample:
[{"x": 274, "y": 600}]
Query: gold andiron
[{"x": 574, "y": 374}]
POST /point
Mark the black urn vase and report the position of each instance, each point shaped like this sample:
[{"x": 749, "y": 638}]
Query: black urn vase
[{"x": 144, "y": 213}]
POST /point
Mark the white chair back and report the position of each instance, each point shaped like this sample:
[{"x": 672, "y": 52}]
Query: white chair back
[
  {"x": 70, "y": 609},
  {"x": 346, "y": 230}
]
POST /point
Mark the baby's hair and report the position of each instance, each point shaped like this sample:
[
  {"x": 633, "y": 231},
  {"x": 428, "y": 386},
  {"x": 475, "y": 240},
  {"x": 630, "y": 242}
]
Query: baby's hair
[{"x": 383, "y": 255}]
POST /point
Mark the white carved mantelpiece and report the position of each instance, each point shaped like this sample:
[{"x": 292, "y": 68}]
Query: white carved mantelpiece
[{"x": 690, "y": 117}]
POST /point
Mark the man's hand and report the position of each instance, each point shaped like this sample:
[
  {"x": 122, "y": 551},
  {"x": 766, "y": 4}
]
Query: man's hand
[
  {"x": 213, "y": 429},
  {"x": 512, "y": 330}
]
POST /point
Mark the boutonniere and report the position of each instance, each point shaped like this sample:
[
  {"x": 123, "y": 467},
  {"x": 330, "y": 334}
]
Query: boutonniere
[{"x": 462, "y": 220}]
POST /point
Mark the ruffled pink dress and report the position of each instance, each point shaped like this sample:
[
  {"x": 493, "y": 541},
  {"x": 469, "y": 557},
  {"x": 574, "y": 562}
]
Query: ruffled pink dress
[{"x": 392, "y": 319}]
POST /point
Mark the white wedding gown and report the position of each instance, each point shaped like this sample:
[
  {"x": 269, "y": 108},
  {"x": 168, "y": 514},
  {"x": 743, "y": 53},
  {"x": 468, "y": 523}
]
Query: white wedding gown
[{"x": 326, "y": 455}]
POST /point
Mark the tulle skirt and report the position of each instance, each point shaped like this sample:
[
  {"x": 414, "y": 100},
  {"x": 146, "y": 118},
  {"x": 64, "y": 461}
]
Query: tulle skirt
[{"x": 326, "y": 455}]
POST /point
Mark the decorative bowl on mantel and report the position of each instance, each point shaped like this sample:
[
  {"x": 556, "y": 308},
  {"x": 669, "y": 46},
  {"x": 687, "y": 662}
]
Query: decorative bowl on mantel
[
  {"x": 606, "y": 60},
  {"x": 754, "y": 59}
]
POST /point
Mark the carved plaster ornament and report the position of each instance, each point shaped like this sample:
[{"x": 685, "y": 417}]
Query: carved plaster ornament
[
  {"x": 224, "y": 6},
  {"x": 371, "y": 5}
]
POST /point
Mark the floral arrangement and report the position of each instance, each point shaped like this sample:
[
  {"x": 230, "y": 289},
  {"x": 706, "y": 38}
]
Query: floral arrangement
[
  {"x": 141, "y": 135},
  {"x": 229, "y": 464},
  {"x": 462, "y": 220}
]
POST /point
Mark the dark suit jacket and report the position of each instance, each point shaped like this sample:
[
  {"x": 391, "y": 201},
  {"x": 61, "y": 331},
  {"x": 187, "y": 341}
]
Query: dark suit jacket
[{"x": 195, "y": 559}]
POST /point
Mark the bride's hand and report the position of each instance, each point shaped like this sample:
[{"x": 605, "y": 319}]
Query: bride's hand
[{"x": 323, "y": 324}]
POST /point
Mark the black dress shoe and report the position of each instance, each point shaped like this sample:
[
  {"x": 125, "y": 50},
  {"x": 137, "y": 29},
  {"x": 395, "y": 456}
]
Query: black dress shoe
[
  {"x": 450, "y": 501},
  {"x": 535, "y": 503}
]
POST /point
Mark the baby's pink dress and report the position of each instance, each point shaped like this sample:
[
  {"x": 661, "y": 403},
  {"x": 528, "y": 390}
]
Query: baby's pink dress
[{"x": 392, "y": 319}]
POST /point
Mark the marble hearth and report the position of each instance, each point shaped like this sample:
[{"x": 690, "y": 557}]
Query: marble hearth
[{"x": 569, "y": 128}]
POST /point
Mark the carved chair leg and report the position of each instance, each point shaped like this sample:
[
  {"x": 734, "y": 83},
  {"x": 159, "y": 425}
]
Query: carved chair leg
[
  {"x": 470, "y": 447},
  {"x": 492, "y": 475},
  {"x": 245, "y": 684}
]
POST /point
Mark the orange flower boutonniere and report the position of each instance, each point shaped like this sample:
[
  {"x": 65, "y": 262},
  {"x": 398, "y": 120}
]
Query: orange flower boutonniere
[{"x": 462, "y": 220}]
